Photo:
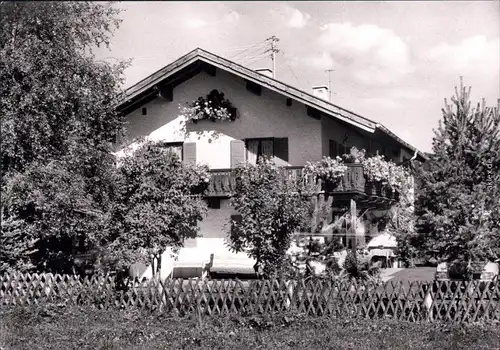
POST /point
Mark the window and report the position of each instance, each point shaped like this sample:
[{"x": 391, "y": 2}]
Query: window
[
  {"x": 213, "y": 203},
  {"x": 258, "y": 148},
  {"x": 174, "y": 147},
  {"x": 337, "y": 149},
  {"x": 254, "y": 149},
  {"x": 144, "y": 111}
]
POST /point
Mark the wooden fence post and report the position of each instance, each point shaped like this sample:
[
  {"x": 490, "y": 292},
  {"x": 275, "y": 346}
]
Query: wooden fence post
[{"x": 429, "y": 302}]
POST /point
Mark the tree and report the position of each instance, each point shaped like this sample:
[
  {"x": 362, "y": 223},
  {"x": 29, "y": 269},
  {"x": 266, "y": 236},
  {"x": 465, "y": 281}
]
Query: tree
[
  {"x": 272, "y": 207},
  {"x": 45, "y": 223},
  {"x": 57, "y": 125},
  {"x": 457, "y": 204},
  {"x": 55, "y": 97},
  {"x": 158, "y": 204}
]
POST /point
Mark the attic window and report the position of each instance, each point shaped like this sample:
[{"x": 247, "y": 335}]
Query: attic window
[{"x": 144, "y": 111}]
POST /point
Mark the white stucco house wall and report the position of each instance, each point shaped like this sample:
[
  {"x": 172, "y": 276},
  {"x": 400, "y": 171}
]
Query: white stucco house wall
[{"x": 299, "y": 126}]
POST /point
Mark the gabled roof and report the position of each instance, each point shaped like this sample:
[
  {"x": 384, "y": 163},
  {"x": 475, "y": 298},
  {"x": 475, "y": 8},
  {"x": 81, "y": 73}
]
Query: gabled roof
[{"x": 198, "y": 59}]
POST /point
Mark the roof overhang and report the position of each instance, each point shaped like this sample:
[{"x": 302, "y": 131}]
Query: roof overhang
[{"x": 197, "y": 60}]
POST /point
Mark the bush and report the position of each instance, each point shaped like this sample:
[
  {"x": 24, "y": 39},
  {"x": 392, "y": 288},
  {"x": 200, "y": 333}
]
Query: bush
[
  {"x": 332, "y": 266},
  {"x": 351, "y": 263},
  {"x": 360, "y": 270},
  {"x": 272, "y": 208},
  {"x": 155, "y": 207}
]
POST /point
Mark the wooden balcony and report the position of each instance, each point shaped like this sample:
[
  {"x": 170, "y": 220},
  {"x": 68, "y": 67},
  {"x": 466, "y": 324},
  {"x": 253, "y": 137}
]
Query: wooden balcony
[
  {"x": 352, "y": 186},
  {"x": 223, "y": 181}
]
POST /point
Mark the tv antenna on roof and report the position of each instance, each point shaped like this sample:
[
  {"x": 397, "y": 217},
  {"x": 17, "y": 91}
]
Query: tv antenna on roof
[
  {"x": 330, "y": 82},
  {"x": 274, "y": 41}
]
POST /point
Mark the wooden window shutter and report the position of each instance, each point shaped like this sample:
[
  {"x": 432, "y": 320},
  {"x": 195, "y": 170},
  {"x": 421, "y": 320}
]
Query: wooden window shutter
[
  {"x": 190, "y": 153},
  {"x": 281, "y": 150},
  {"x": 237, "y": 153}
]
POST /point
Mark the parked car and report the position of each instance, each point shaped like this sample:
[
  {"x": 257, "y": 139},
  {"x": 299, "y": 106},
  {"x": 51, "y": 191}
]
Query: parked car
[{"x": 485, "y": 272}]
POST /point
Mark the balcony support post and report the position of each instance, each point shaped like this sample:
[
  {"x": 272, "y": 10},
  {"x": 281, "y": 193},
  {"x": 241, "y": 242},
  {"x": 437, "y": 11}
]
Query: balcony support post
[
  {"x": 353, "y": 225},
  {"x": 314, "y": 219}
]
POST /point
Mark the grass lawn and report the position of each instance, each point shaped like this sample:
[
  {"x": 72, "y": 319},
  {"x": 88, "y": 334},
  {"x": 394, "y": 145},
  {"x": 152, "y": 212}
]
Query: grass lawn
[
  {"x": 72, "y": 328},
  {"x": 415, "y": 274}
]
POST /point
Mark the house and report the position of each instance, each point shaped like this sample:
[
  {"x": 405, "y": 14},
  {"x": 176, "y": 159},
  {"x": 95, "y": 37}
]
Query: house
[{"x": 273, "y": 119}]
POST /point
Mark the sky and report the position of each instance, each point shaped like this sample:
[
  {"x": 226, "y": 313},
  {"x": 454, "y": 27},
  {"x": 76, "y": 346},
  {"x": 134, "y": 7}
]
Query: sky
[{"x": 394, "y": 61}]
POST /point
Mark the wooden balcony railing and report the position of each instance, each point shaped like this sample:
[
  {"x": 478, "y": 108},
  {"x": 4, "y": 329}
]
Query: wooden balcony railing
[{"x": 223, "y": 181}]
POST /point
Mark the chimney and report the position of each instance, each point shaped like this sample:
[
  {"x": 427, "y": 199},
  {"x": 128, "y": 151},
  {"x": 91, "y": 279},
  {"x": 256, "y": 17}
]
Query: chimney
[
  {"x": 321, "y": 92},
  {"x": 265, "y": 71}
]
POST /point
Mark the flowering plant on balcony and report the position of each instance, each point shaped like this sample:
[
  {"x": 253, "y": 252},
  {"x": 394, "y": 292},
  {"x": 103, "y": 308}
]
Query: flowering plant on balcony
[
  {"x": 376, "y": 169},
  {"x": 327, "y": 169},
  {"x": 200, "y": 178},
  {"x": 212, "y": 107},
  {"x": 387, "y": 173},
  {"x": 398, "y": 177},
  {"x": 355, "y": 156}
]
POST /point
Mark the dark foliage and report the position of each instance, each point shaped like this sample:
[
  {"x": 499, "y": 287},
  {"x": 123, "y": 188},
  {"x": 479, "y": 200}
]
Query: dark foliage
[
  {"x": 155, "y": 207},
  {"x": 57, "y": 126},
  {"x": 272, "y": 208},
  {"x": 457, "y": 204}
]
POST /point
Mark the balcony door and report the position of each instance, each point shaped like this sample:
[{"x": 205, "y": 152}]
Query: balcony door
[
  {"x": 258, "y": 149},
  {"x": 337, "y": 149},
  {"x": 252, "y": 150},
  {"x": 275, "y": 149}
]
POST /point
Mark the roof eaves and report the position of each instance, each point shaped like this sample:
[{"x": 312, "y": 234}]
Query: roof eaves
[
  {"x": 153, "y": 78},
  {"x": 400, "y": 140}
]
